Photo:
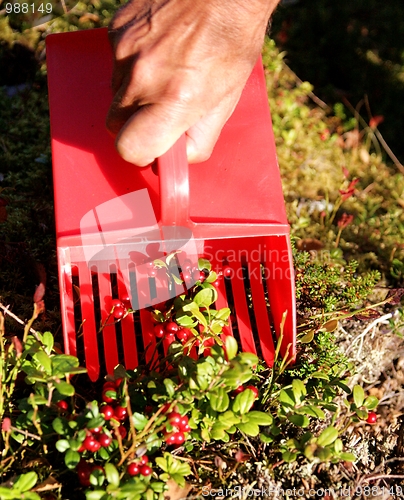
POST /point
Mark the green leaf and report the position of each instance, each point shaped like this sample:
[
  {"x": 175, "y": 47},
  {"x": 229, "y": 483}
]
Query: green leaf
[
  {"x": 362, "y": 414},
  {"x": 63, "y": 364},
  {"x": 219, "y": 399},
  {"x": 95, "y": 494},
  {"x": 299, "y": 420},
  {"x": 286, "y": 397},
  {"x": 358, "y": 395},
  {"x": 218, "y": 431},
  {"x": 348, "y": 457},
  {"x": 243, "y": 402},
  {"x": 204, "y": 298},
  {"x": 212, "y": 277},
  {"x": 266, "y": 439},
  {"x": 48, "y": 341},
  {"x": 60, "y": 426},
  {"x": 327, "y": 436},
  {"x": 65, "y": 388},
  {"x": 112, "y": 474},
  {"x": 44, "y": 360},
  {"x": 7, "y": 494},
  {"x": 204, "y": 264},
  {"x": 62, "y": 445},
  {"x": 72, "y": 458},
  {"x": 228, "y": 418},
  {"x": 249, "y": 428},
  {"x": 26, "y": 481},
  {"x": 312, "y": 411},
  {"x": 139, "y": 421},
  {"x": 289, "y": 456},
  {"x": 231, "y": 347},
  {"x": 298, "y": 389},
  {"x": 259, "y": 418},
  {"x": 320, "y": 375},
  {"x": 170, "y": 387},
  {"x": 371, "y": 402}
]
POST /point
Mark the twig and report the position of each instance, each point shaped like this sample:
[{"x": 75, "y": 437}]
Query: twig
[
  {"x": 7, "y": 311},
  {"x": 367, "y": 330},
  {"x": 312, "y": 96}
]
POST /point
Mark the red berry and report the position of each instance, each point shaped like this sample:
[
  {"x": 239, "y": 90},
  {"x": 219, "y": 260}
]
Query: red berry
[
  {"x": 152, "y": 272},
  {"x": 107, "y": 411},
  {"x": 186, "y": 276},
  {"x": 239, "y": 389},
  {"x": 122, "y": 431},
  {"x": 183, "y": 425},
  {"x": 133, "y": 469},
  {"x": 143, "y": 460},
  {"x": 174, "y": 419},
  {"x": 116, "y": 303},
  {"x": 83, "y": 472},
  {"x": 170, "y": 438},
  {"x": 171, "y": 327},
  {"x": 227, "y": 272},
  {"x": 105, "y": 440},
  {"x": 120, "y": 412},
  {"x": 91, "y": 444},
  {"x": 119, "y": 312},
  {"x": 126, "y": 300},
  {"x": 96, "y": 430},
  {"x": 254, "y": 390},
  {"x": 109, "y": 384},
  {"x": 179, "y": 438},
  {"x": 170, "y": 337},
  {"x": 118, "y": 382},
  {"x": 159, "y": 330},
  {"x": 63, "y": 405},
  {"x": 183, "y": 335},
  {"x": 145, "y": 470},
  {"x": 109, "y": 395},
  {"x": 372, "y": 417}
]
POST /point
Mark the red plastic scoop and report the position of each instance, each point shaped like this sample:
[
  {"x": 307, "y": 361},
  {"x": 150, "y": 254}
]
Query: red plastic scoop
[{"x": 113, "y": 218}]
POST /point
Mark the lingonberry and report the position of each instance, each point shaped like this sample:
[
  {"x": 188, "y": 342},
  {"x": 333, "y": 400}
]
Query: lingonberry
[
  {"x": 122, "y": 431},
  {"x": 159, "y": 330},
  {"x": 120, "y": 413},
  {"x": 186, "y": 276},
  {"x": 239, "y": 389},
  {"x": 254, "y": 390},
  {"x": 109, "y": 395},
  {"x": 171, "y": 327},
  {"x": 152, "y": 272},
  {"x": 126, "y": 300},
  {"x": 91, "y": 444},
  {"x": 372, "y": 417},
  {"x": 83, "y": 472},
  {"x": 133, "y": 469},
  {"x": 183, "y": 335},
  {"x": 144, "y": 460},
  {"x": 118, "y": 382},
  {"x": 116, "y": 303},
  {"x": 227, "y": 272},
  {"x": 62, "y": 405},
  {"x": 183, "y": 425},
  {"x": 145, "y": 470},
  {"x": 107, "y": 411},
  {"x": 179, "y": 438},
  {"x": 105, "y": 440},
  {"x": 109, "y": 384},
  {"x": 119, "y": 312},
  {"x": 170, "y": 337},
  {"x": 96, "y": 430},
  {"x": 170, "y": 438},
  {"x": 174, "y": 419}
]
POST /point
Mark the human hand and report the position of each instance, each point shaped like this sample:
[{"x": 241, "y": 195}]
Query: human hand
[{"x": 180, "y": 67}]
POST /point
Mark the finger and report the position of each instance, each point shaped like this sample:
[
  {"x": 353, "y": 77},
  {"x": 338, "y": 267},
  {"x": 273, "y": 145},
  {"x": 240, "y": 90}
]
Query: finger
[
  {"x": 152, "y": 131},
  {"x": 202, "y": 137}
]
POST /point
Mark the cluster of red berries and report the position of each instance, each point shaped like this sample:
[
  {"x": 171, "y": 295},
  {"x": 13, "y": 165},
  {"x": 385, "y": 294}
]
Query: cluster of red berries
[
  {"x": 140, "y": 466},
  {"x": 176, "y": 434},
  {"x": 119, "y": 307},
  {"x": 84, "y": 471},
  {"x": 169, "y": 330}
]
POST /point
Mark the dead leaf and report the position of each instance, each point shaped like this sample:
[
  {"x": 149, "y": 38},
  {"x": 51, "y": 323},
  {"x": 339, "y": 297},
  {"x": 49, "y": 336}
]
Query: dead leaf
[
  {"x": 50, "y": 483},
  {"x": 394, "y": 296},
  {"x": 308, "y": 244},
  {"x": 175, "y": 492},
  {"x": 367, "y": 314},
  {"x": 88, "y": 16},
  {"x": 308, "y": 337}
]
